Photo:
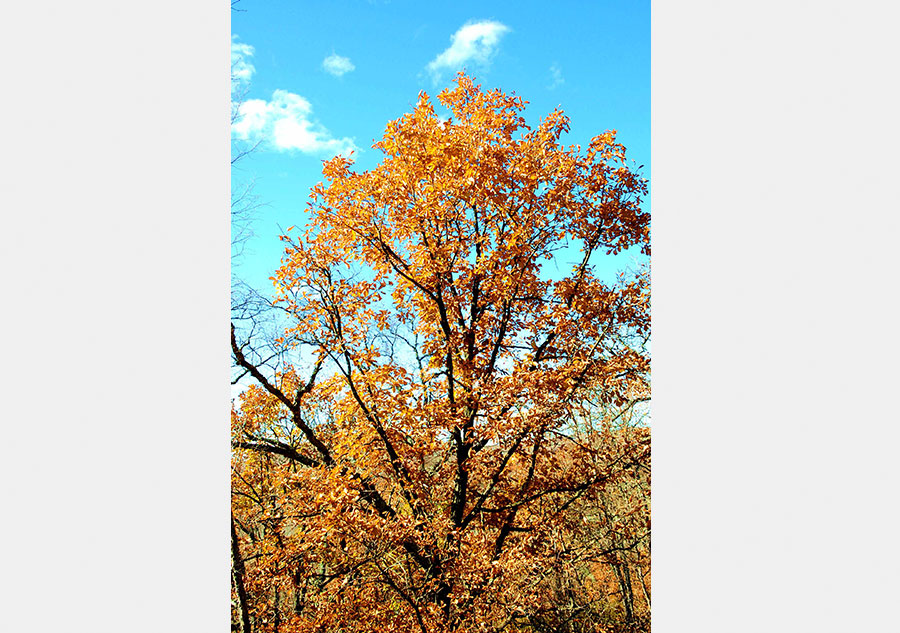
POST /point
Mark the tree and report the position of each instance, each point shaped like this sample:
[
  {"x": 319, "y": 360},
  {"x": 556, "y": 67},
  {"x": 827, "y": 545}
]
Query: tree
[
  {"x": 246, "y": 303},
  {"x": 457, "y": 403}
]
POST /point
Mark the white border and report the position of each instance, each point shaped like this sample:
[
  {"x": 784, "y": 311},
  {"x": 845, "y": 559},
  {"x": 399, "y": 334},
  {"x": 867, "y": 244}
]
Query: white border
[
  {"x": 116, "y": 274},
  {"x": 774, "y": 316}
]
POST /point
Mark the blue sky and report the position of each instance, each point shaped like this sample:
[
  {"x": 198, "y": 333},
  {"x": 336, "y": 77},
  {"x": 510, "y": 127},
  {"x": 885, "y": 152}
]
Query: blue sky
[{"x": 323, "y": 78}]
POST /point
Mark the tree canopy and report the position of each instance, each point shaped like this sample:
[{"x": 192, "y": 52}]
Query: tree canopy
[{"x": 447, "y": 444}]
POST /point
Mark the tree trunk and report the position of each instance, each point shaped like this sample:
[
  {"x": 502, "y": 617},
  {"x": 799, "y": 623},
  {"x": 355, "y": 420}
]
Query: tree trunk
[
  {"x": 624, "y": 579},
  {"x": 237, "y": 576},
  {"x": 630, "y": 591},
  {"x": 644, "y": 587}
]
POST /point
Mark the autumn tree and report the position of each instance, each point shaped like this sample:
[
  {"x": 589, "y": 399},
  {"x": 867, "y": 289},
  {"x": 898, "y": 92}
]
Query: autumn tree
[
  {"x": 417, "y": 467},
  {"x": 607, "y": 580}
]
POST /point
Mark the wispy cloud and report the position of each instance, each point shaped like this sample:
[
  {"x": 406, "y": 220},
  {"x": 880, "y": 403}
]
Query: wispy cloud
[
  {"x": 336, "y": 65},
  {"x": 241, "y": 68},
  {"x": 556, "y": 78},
  {"x": 474, "y": 42},
  {"x": 285, "y": 123}
]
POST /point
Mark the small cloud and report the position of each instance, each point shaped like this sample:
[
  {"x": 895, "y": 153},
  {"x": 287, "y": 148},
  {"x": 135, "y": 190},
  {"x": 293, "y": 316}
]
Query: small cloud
[
  {"x": 241, "y": 68},
  {"x": 556, "y": 78},
  {"x": 285, "y": 123},
  {"x": 474, "y": 42},
  {"x": 336, "y": 65}
]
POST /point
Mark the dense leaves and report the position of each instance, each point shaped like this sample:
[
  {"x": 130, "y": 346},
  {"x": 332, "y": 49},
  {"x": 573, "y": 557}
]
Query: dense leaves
[{"x": 454, "y": 447}]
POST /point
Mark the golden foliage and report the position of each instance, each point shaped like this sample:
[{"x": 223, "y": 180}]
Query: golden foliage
[{"x": 460, "y": 464}]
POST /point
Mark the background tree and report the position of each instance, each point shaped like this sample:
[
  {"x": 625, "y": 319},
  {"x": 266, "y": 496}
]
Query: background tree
[
  {"x": 247, "y": 304},
  {"x": 421, "y": 473}
]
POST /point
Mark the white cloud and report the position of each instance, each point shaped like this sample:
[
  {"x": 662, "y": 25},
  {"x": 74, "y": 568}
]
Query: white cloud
[
  {"x": 474, "y": 42},
  {"x": 556, "y": 78},
  {"x": 285, "y": 123},
  {"x": 241, "y": 68},
  {"x": 337, "y": 65}
]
